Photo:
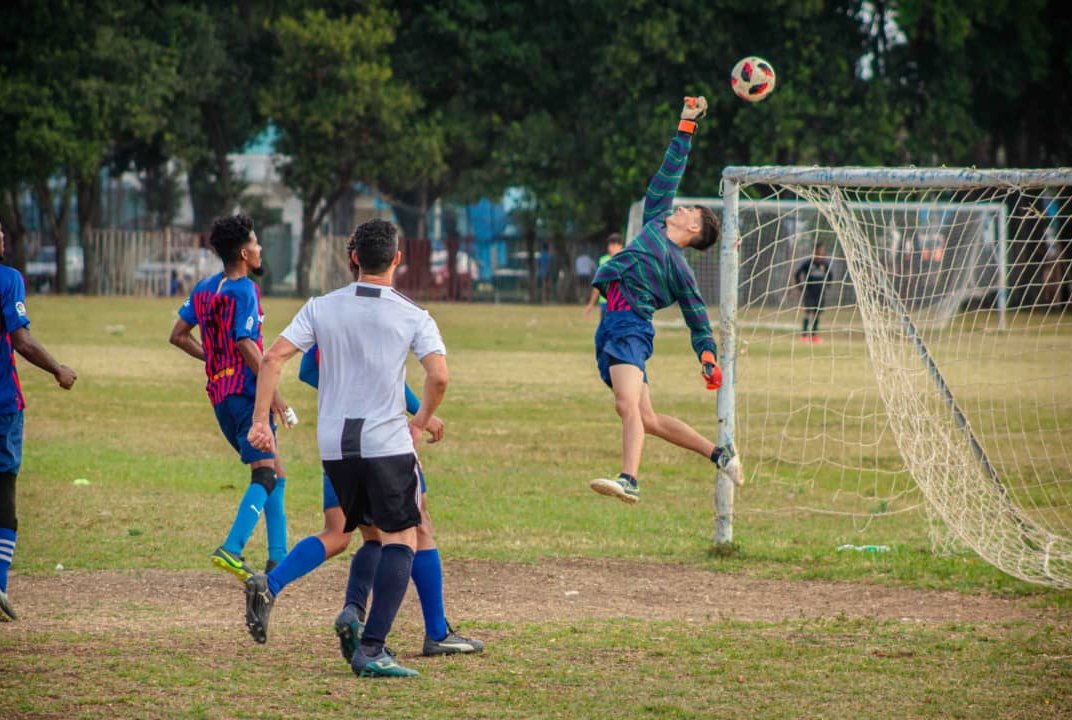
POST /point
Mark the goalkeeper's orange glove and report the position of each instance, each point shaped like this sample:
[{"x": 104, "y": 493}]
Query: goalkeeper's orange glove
[
  {"x": 694, "y": 109},
  {"x": 710, "y": 370}
]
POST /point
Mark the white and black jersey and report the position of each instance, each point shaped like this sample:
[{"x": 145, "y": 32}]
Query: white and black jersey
[{"x": 365, "y": 333}]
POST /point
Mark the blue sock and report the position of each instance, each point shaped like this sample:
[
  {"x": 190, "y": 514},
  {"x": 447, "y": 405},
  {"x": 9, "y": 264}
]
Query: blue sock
[
  {"x": 275, "y": 521},
  {"x": 245, "y": 519},
  {"x": 428, "y": 577},
  {"x": 362, "y": 570},
  {"x": 7, "y": 553},
  {"x": 388, "y": 589},
  {"x": 306, "y": 556}
]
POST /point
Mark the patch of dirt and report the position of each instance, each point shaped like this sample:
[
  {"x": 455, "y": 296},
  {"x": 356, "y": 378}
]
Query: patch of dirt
[{"x": 126, "y": 604}]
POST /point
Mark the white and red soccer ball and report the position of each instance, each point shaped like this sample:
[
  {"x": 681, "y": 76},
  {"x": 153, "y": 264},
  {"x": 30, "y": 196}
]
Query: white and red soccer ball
[{"x": 752, "y": 78}]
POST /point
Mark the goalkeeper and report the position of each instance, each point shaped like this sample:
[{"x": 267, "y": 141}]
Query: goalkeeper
[{"x": 651, "y": 273}]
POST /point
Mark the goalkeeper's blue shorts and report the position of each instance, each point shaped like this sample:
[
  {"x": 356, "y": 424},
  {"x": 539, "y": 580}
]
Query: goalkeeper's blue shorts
[
  {"x": 623, "y": 338},
  {"x": 332, "y": 500}
]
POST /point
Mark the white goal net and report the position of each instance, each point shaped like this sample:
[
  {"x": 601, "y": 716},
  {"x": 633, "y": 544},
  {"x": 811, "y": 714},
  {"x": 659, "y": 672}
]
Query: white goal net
[{"x": 920, "y": 362}]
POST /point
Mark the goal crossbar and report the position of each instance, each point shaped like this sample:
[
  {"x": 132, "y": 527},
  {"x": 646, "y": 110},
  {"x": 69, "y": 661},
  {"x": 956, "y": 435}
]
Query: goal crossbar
[{"x": 896, "y": 177}]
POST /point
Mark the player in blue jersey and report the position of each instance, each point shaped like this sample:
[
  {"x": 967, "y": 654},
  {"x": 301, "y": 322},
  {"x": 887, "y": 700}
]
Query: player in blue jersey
[
  {"x": 427, "y": 571},
  {"x": 226, "y": 310},
  {"x": 649, "y": 274},
  {"x": 15, "y": 337}
]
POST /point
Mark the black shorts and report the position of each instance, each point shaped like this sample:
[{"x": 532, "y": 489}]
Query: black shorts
[
  {"x": 813, "y": 300},
  {"x": 382, "y": 491}
]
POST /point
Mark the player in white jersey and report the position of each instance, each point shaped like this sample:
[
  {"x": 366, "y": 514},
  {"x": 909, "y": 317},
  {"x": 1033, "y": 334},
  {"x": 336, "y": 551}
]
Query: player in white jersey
[{"x": 365, "y": 332}]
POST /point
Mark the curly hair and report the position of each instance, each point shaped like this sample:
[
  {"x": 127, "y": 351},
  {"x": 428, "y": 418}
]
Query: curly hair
[
  {"x": 228, "y": 236},
  {"x": 375, "y": 243}
]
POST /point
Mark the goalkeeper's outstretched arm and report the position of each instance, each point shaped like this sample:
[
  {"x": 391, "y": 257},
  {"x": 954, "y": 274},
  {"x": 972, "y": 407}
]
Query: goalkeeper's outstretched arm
[{"x": 662, "y": 188}]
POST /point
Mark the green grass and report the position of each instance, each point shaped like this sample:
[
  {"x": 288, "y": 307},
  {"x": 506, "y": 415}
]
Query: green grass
[
  {"x": 630, "y": 669},
  {"x": 528, "y": 423}
]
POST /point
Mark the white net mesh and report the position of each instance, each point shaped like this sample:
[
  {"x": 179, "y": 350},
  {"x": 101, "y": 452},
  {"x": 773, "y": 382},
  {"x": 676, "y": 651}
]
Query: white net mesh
[{"x": 940, "y": 379}]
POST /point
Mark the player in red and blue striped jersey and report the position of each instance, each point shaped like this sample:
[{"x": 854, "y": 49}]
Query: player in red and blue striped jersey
[
  {"x": 649, "y": 274},
  {"x": 226, "y": 309},
  {"x": 15, "y": 337}
]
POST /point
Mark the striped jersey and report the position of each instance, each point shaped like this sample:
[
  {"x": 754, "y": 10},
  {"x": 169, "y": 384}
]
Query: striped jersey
[
  {"x": 13, "y": 316},
  {"x": 651, "y": 271},
  {"x": 226, "y": 311}
]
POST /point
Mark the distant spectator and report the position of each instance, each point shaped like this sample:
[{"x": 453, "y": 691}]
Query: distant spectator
[
  {"x": 812, "y": 276},
  {"x": 614, "y": 244},
  {"x": 584, "y": 267}
]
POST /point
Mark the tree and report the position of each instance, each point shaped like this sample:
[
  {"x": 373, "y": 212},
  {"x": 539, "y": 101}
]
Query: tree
[
  {"x": 340, "y": 112},
  {"x": 225, "y": 57},
  {"x": 78, "y": 76}
]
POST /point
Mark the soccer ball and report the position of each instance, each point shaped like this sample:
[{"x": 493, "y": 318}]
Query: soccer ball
[{"x": 752, "y": 78}]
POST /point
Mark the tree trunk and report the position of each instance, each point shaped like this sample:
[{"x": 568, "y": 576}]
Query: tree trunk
[
  {"x": 422, "y": 211},
  {"x": 89, "y": 216},
  {"x": 305, "y": 248},
  {"x": 57, "y": 220},
  {"x": 14, "y": 254},
  {"x": 530, "y": 249}
]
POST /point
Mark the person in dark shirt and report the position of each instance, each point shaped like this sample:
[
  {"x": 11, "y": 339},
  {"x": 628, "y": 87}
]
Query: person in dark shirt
[{"x": 812, "y": 276}]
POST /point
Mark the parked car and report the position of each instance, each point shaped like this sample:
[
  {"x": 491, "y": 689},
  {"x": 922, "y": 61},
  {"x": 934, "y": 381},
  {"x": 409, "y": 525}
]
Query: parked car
[
  {"x": 464, "y": 266},
  {"x": 178, "y": 274},
  {"x": 41, "y": 268}
]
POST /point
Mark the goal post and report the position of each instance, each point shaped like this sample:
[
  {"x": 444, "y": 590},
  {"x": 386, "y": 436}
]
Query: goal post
[{"x": 933, "y": 372}]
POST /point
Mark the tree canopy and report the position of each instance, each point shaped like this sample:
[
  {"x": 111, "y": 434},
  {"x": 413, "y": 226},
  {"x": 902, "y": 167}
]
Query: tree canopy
[{"x": 572, "y": 103}]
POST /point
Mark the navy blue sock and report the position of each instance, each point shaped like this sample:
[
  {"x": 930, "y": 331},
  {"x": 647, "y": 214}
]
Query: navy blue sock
[
  {"x": 249, "y": 510},
  {"x": 427, "y": 575},
  {"x": 7, "y": 554},
  {"x": 388, "y": 589},
  {"x": 275, "y": 521},
  {"x": 362, "y": 570},
  {"x": 306, "y": 556}
]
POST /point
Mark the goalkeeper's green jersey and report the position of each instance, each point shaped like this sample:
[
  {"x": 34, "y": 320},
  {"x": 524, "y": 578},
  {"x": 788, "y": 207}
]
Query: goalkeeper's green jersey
[{"x": 651, "y": 271}]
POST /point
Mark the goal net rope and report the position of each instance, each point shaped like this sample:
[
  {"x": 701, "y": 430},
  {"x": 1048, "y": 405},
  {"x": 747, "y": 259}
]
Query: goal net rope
[{"x": 939, "y": 374}]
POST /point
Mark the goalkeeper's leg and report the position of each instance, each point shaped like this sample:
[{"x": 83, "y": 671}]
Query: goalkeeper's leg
[{"x": 671, "y": 429}]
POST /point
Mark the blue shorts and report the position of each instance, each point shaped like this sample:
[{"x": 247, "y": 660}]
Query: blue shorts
[
  {"x": 332, "y": 500},
  {"x": 623, "y": 338},
  {"x": 235, "y": 415},
  {"x": 11, "y": 443}
]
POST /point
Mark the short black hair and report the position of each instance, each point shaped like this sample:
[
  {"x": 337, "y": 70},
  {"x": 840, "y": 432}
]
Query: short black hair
[
  {"x": 375, "y": 243},
  {"x": 615, "y": 239},
  {"x": 228, "y": 236},
  {"x": 710, "y": 230}
]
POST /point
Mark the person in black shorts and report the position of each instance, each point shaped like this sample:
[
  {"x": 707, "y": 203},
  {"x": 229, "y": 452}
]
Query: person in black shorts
[
  {"x": 812, "y": 276},
  {"x": 365, "y": 332}
]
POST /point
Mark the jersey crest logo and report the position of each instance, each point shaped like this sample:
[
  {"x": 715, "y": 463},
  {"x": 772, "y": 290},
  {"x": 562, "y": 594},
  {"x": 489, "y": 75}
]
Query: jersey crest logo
[
  {"x": 249, "y": 323},
  {"x": 20, "y": 308}
]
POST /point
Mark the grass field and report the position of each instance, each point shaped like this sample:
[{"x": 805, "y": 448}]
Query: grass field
[{"x": 136, "y": 624}]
